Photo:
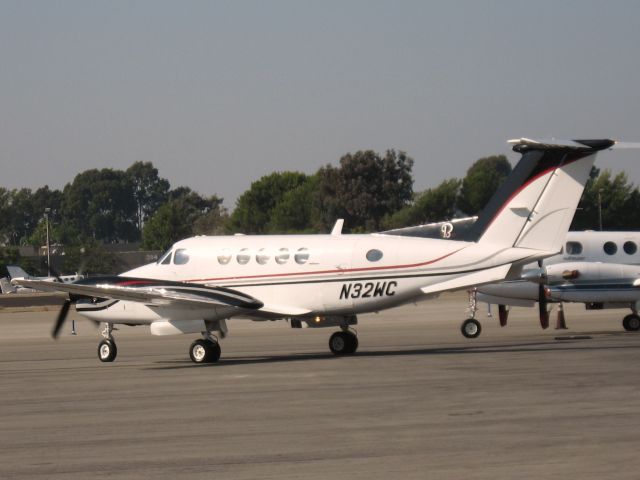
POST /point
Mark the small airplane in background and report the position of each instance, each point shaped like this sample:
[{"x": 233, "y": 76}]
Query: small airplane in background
[
  {"x": 17, "y": 273},
  {"x": 326, "y": 280},
  {"x": 599, "y": 269}
]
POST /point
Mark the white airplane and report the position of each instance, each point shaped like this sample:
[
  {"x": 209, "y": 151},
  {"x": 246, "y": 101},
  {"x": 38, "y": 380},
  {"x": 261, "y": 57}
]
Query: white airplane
[
  {"x": 599, "y": 269},
  {"x": 326, "y": 280},
  {"x": 17, "y": 273}
]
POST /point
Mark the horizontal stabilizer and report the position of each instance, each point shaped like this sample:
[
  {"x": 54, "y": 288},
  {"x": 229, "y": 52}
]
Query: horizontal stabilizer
[{"x": 481, "y": 277}]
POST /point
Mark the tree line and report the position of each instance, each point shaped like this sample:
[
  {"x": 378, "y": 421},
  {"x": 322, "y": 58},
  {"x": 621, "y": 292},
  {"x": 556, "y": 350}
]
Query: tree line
[{"x": 371, "y": 191}]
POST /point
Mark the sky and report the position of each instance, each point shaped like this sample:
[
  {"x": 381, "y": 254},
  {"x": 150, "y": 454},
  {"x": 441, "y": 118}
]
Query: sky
[{"x": 217, "y": 94}]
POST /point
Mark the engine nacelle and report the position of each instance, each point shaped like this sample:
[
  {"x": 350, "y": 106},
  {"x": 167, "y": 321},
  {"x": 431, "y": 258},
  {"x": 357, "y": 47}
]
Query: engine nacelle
[{"x": 176, "y": 327}]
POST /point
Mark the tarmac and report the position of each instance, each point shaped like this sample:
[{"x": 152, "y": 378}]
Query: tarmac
[{"x": 417, "y": 401}]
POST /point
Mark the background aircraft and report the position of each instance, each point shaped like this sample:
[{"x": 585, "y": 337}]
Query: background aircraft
[
  {"x": 599, "y": 269},
  {"x": 326, "y": 280},
  {"x": 17, "y": 273}
]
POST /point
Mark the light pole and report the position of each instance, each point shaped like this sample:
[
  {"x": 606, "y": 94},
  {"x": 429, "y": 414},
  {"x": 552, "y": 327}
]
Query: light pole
[{"x": 46, "y": 218}]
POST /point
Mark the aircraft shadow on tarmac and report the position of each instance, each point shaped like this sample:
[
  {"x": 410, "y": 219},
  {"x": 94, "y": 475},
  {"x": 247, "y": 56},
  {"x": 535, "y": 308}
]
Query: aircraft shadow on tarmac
[{"x": 555, "y": 345}]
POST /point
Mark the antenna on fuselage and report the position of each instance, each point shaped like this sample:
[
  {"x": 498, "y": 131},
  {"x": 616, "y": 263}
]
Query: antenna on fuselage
[{"x": 337, "y": 228}]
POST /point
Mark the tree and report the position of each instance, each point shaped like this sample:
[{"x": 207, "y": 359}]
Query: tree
[
  {"x": 295, "y": 212},
  {"x": 149, "y": 190},
  {"x": 254, "y": 207},
  {"x": 363, "y": 189},
  {"x": 432, "y": 205},
  {"x": 186, "y": 213},
  {"x": 481, "y": 182},
  {"x": 619, "y": 200},
  {"x": 100, "y": 205}
]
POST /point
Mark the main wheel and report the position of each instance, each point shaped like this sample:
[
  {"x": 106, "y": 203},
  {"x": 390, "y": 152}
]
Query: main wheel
[
  {"x": 204, "y": 351},
  {"x": 343, "y": 343},
  {"x": 471, "y": 328},
  {"x": 631, "y": 323},
  {"x": 107, "y": 350}
]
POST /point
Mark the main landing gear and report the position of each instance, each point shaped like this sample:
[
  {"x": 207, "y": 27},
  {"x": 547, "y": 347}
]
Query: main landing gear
[
  {"x": 205, "y": 350},
  {"x": 631, "y": 322},
  {"x": 471, "y": 327},
  {"x": 343, "y": 343}
]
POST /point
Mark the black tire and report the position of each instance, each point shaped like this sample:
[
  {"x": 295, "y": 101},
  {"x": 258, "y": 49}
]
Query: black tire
[
  {"x": 471, "y": 328},
  {"x": 107, "y": 350},
  {"x": 631, "y": 323},
  {"x": 204, "y": 351},
  {"x": 214, "y": 352},
  {"x": 343, "y": 343}
]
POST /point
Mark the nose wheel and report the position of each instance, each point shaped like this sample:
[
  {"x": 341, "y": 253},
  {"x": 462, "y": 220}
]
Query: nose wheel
[{"x": 107, "y": 349}]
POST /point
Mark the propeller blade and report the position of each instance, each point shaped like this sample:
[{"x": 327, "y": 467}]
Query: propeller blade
[
  {"x": 542, "y": 306},
  {"x": 62, "y": 316},
  {"x": 503, "y": 314}
]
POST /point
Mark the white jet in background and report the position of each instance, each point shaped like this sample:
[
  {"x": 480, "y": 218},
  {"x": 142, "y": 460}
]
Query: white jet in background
[{"x": 599, "y": 269}]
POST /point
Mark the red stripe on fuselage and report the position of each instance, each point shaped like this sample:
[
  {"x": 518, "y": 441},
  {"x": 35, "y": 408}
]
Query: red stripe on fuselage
[{"x": 321, "y": 272}]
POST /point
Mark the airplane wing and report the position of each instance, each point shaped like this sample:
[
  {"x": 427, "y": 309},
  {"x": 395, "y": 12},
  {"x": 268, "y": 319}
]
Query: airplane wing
[{"x": 149, "y": 291}]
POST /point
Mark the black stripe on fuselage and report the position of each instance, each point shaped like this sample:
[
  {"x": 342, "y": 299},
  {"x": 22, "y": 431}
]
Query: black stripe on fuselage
[{"x": 360, "y": 279}]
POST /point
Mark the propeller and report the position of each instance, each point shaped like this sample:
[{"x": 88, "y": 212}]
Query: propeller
[
  {"x": 62, "y": 316},
  {"x": 64, "y": 310},
  {"x": 503, "y": 314},
  {"x": 542, "y": 301}
]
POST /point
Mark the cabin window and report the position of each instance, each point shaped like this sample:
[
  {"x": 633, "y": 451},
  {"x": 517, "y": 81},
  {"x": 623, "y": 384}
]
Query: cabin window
[
  {"x": 165, "y": 259},
  {"x": 630, "y": 248},
  {"x": 302, "y": 255},
  {"x": 574, "y": 248},
  {"x": 243, "y": 257},
  {"x": 262, "y": 257},
  {"x": 181, "y": 257},
  {"x": 224, "y": 257},
  {"x": 374, "y": 255},
  {"x": 283, "y": 256},
  {"x": 610, "y": 248}
]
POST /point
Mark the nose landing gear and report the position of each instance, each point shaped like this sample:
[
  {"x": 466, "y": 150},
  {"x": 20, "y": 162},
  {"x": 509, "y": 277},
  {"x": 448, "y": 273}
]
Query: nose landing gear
[{"x": 107, "y": 349}]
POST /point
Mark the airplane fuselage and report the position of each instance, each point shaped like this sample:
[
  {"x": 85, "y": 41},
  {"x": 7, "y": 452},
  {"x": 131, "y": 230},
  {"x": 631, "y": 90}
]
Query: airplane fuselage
[{"x": 309, "y": 275}]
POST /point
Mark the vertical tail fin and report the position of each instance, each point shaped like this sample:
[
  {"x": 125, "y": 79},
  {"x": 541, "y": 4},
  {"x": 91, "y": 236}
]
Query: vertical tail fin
[
  {"x": 534, "y": 207},
  {"x": 17, "y": 272}
]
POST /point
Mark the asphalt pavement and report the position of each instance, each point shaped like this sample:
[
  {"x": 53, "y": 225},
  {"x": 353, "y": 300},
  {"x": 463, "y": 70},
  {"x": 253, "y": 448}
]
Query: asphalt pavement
[{"x": 418, "y": 401}]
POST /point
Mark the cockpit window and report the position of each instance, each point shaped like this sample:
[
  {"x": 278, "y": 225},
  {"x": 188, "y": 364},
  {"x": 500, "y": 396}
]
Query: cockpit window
[
  {"x": 165, "y": 259},
  {"x": 181, "y": 257},
  {"x": 574, "y": 248}
]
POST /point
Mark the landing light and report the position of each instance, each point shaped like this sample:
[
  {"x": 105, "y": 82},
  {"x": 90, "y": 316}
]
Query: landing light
[{"x": 318, "y": 319}]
